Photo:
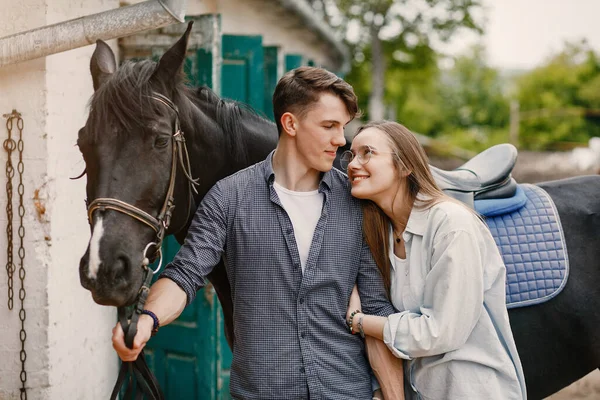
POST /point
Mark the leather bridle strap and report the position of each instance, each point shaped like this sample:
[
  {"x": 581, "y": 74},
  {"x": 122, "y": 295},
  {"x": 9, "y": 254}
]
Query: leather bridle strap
[
  {"x": 161, "y": 223},
  {"x": 145, "y": 382},
  {"x": 104, "y": 203}
]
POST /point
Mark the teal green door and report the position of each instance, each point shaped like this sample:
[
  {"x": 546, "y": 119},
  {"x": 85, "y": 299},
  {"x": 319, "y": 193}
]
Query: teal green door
[
  {"x": 271, "y": 63},
  {"x": 242, "y": 74},
  {"x": 183, "y": 354},
  {"x": 190, "y": 357},
  {"x": 292, "y": 61}
]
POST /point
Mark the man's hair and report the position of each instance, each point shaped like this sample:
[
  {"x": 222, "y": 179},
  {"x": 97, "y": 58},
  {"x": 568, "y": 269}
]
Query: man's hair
[{"x": 299, "y": 89}]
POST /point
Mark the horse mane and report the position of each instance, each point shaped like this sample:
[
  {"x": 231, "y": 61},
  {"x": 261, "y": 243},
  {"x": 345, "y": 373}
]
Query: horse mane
[
  {"x": 125, "y": 100},
  {"x": 231, "y": 116}
]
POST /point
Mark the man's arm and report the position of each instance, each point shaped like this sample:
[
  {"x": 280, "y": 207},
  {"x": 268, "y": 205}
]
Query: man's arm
[
  {"x": 185, "y": 275},
  {"x": 166, "y": 300},
  {"x": 370, "y": 286}
]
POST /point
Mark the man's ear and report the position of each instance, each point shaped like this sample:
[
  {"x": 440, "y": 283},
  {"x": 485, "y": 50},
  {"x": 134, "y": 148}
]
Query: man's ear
[{"x": 289, "y": 123}]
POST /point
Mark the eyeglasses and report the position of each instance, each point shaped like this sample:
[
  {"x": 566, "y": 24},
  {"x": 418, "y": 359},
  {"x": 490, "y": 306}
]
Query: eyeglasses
[{"x": 363, "y": 154}]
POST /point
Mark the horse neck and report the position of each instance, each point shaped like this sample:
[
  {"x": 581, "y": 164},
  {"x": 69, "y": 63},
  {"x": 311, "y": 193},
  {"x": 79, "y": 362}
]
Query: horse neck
[{"x": 219, "y": 145}]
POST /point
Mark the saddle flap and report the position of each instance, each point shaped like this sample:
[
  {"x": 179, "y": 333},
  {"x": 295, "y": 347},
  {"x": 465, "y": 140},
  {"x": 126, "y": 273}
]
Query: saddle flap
[{"x": 493, "y": 165}]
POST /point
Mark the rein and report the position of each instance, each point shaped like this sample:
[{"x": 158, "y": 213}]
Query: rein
[{"x": 145, "y": 381}]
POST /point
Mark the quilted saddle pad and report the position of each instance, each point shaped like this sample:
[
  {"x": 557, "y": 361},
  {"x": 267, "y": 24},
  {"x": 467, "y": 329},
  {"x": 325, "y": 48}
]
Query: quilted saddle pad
[{"x": 533, "y": 247}]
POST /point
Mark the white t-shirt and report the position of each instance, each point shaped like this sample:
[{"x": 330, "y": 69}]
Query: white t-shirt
[{"x": 304, "y": 210}]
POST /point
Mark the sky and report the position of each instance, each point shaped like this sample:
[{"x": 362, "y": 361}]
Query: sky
[{"x": 521, "y": 34}]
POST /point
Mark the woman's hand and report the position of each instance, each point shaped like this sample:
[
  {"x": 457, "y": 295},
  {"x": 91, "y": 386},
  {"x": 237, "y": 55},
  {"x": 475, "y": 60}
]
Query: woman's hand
[{"x": 354, "y": 303}]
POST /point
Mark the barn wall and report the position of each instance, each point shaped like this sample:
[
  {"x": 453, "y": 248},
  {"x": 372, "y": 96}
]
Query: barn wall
[
  {"x": 69, "y": 354},
  {"x": 259, "y": 17},
  {"x": 277, "y": 27},
  {"x": 23, "y": 87}
]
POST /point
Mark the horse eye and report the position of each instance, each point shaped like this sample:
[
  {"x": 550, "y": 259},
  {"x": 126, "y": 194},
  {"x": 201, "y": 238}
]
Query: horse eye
[{"x": 161, "y": 142}]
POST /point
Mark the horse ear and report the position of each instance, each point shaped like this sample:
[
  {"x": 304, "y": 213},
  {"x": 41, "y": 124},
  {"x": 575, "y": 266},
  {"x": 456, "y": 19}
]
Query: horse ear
[
  {"x": 171, "y": 63},
  {"x": 102, "y": 64}
]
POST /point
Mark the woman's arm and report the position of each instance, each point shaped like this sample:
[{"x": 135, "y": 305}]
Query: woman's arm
[{"x": 452, "y": 303}]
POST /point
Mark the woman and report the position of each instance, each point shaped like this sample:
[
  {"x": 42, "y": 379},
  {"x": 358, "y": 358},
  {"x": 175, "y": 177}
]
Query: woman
[{"x": 442, "y": 270}]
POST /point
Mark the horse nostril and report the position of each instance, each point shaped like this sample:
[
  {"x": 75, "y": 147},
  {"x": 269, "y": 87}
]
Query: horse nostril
[{"x": 121, "y": 269}]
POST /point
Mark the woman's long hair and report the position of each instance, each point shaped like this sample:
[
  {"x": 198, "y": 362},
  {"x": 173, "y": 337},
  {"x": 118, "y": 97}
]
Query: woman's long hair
[{"x": 410, "y": 158}]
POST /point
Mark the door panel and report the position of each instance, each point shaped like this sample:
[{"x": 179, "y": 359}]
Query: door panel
[
  {"x": 292, "y": 61},
  {"x": 271, "y": 54},
  {"x": 242, "y": 74}
]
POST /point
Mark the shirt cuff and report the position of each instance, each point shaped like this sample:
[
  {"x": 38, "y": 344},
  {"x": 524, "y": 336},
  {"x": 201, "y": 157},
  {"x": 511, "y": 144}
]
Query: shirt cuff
[
  {"x": 171, "y": 274},
  {"x": 389, "y": 335}
]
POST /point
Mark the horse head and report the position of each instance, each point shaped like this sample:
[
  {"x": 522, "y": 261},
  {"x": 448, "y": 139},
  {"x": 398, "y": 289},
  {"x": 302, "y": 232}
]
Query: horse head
[{"x": 136, "y": 164}]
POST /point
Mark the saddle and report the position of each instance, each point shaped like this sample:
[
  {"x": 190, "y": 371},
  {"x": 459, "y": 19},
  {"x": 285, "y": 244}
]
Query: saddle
[
  {"x": 486, "y": 176},
  {"x": 522, "y": 220}
]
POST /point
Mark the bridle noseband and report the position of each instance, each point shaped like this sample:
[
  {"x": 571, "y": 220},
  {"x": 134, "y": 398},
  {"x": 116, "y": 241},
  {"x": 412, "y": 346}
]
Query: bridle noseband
[{"x": 161, "y": 223}]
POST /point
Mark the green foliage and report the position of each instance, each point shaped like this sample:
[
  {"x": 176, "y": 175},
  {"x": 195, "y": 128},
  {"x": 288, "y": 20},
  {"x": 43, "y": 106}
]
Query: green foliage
[
  {"x": 554, "y": 98},
  {"x": 472, "y": 94},
  {"x": 406, "y": 30}
]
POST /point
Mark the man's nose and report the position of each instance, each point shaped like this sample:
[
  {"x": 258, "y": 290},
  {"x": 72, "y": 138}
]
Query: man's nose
[{"x": 339, "y": 139}]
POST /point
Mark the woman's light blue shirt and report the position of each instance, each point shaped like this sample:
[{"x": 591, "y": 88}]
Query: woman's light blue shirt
[{"x": 454, "y": 329}]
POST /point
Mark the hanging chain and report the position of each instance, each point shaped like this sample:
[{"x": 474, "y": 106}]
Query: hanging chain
[{"x": 9, "y": 146}]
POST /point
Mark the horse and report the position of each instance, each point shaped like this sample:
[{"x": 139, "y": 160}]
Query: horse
[{"x": 135, "y": 154}]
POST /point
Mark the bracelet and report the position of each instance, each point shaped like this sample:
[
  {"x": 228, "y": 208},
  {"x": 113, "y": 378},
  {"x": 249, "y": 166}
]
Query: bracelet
[
  {"x": 360, "y": 327},
  {"x": 156, "y": 324},
  {"x": 349, "y": 322}
]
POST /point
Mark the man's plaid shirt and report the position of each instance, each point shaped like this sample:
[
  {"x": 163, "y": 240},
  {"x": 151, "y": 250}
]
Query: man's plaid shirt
[{"x": 292, "y": 341}]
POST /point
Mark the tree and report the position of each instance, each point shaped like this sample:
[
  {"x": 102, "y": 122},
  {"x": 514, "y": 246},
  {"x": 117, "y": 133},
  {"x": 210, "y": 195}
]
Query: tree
[
  {"x": 388, "y": 35},
  {"x": 473, "y": 93},
  {"x": 559, "y": 101}
]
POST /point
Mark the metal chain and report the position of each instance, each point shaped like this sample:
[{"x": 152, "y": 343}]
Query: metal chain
[
  {"x": 9, "y": 145},
  {"x": 21, "y": 232}
]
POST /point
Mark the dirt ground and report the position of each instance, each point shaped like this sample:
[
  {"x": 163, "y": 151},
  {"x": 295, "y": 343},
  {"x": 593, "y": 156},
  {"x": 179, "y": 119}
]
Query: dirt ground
[
  {"x": 587, "y": 388},
  {"x": 538, "y": 167}
]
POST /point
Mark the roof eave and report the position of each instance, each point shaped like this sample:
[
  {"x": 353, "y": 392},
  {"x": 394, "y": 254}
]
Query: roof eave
[{"x": 322, "y": 29}]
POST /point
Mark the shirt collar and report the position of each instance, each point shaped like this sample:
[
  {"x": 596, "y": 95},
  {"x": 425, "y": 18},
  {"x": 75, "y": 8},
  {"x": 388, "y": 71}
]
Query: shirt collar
[
  {"x": 324, "y": 184},
  {"x": 417, "y": 221}
]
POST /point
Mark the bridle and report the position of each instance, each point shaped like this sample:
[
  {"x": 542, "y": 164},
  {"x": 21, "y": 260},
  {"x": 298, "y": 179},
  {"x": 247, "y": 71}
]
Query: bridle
[{"x": 160, "y": 224}]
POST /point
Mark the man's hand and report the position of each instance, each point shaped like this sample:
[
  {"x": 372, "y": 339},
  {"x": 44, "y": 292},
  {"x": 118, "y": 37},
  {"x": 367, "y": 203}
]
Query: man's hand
[{"x": 144, "y": 331}]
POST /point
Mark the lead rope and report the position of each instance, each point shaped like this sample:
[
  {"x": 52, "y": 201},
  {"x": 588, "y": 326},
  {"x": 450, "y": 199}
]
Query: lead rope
[
  {"x": 10, "y": 145},
  {"x": 137, "y": 372}
]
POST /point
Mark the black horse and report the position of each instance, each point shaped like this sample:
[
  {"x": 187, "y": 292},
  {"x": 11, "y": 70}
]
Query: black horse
[{"x": 128, "y": 149}]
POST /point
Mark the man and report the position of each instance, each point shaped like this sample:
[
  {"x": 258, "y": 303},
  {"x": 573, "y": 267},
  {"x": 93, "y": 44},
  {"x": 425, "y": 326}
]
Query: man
[{"x": 291, "y": 236}]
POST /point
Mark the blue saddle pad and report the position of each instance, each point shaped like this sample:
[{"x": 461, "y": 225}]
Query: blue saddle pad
[
  {"x": 532, "y": 244},
  {"x": 495, "y": 207}
]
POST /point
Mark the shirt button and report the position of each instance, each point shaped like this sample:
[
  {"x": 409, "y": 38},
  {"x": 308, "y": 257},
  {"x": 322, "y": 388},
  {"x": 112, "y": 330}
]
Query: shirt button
[
  {"x": 301, "y": 300},
  {"x": 303, "y": 335},
  {"x": 289, "y": 231},
  {"x": 296, "y": 265},
  {"x": 302, "y": 370}
]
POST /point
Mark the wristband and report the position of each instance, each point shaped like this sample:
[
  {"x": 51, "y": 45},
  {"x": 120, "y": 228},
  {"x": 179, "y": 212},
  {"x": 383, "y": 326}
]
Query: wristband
[
  {"x": 360, "y": 327},
  {"x": 349, "y": 322},
  {"x": 156, "y": 324}
]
